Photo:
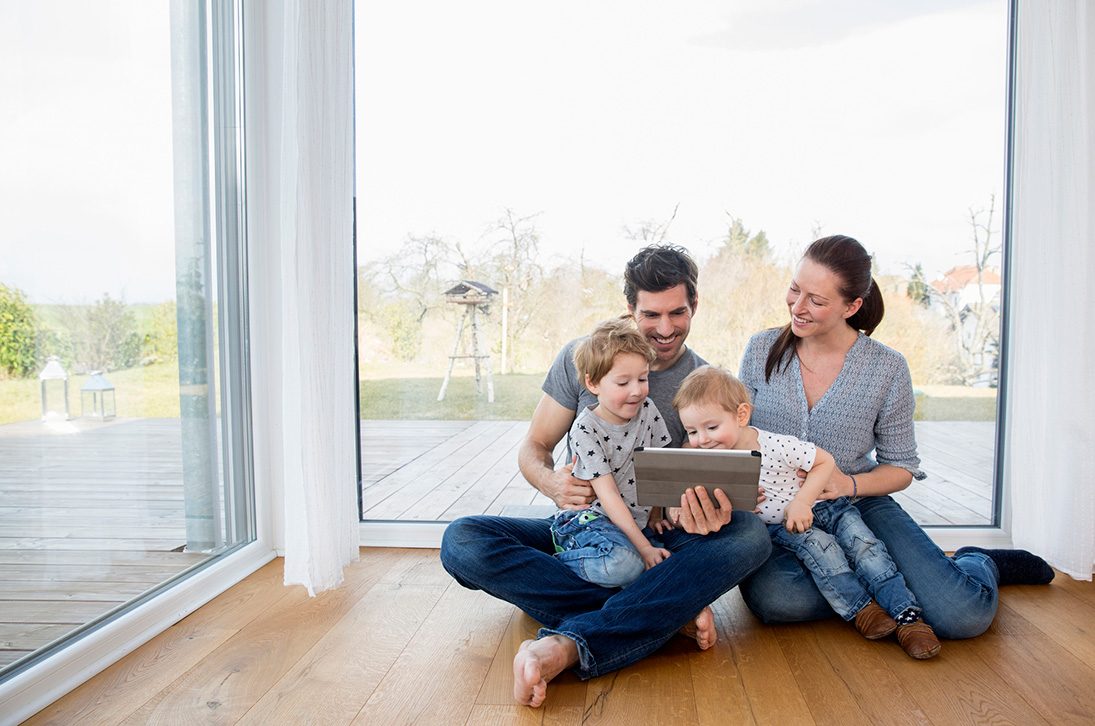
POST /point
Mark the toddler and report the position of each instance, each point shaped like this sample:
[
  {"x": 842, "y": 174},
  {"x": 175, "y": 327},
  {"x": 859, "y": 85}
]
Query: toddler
[{"x": 825, "y": 535}]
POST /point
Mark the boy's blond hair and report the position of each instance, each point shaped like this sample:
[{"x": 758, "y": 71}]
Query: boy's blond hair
[
  {"x": 711, "y": 384},
  {"x": 594, "y": 355}
]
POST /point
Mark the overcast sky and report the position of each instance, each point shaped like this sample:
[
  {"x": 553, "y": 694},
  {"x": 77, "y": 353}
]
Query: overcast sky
[
  {"x": 882, "y": 120},
  {"x": 879, "y": 119}
]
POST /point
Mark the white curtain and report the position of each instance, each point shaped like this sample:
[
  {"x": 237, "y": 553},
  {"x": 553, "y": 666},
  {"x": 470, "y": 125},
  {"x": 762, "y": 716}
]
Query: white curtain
[
  {"x": 300, "y": 160},
  {"x": 1048, "y": 464}
]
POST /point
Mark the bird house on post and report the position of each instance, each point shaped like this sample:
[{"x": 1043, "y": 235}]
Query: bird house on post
[
  {"x": 98, "y": 395},
  {"x": 476, "y": 298},
  {"x": 54, "y": 382}
]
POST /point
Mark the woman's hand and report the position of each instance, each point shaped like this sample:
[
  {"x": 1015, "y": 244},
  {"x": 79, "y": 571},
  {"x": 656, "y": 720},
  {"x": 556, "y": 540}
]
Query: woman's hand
[
  {"x": 699, "y": 515},
  {"x": 839, "y": 484}
]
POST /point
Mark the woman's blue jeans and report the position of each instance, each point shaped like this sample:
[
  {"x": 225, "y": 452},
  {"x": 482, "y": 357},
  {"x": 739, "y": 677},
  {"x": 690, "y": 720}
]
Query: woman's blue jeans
[
  {"x": 513, "y": 560},
  {"x": 847, "y": 562},
  {"x": 959, "y": 596}
]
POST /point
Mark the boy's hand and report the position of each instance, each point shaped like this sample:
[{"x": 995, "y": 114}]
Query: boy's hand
[
  {"x": 799, "y": 516},
  {"x": 653, "y": 555}
]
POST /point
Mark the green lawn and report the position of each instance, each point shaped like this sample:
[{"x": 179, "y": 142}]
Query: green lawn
[
  {"x": 515, "y": 397},
  {"x": 145, "y": 392},
  {"x": 955, "y": 408},
  {"x": 153, "y": 392}
]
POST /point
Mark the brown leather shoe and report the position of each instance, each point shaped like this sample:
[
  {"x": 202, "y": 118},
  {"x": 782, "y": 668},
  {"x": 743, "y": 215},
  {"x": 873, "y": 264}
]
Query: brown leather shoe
[
  {"x": 873, "y": 622},
  {"x": 918, "y": 639}
]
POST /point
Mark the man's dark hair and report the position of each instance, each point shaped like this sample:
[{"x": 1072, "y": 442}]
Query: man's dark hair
[{"x": 660, "y": 267}]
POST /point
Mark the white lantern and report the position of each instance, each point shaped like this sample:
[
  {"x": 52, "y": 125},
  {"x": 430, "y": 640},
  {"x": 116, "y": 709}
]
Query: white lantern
[
  {"x": 54, "y": 381},
  {"x": 98, "y": 395}
]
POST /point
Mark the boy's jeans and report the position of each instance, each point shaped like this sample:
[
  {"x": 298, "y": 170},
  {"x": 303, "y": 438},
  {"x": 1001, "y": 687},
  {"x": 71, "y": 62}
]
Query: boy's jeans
[
  {"x": 848, "y": 563},
  {"x": 596, "y": 549}
]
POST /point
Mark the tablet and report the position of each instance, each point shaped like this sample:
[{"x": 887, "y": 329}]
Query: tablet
[{"x": 662, "y": 475}]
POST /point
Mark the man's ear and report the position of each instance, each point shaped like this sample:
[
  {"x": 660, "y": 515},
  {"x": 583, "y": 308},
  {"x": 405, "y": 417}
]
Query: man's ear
[
  {"x": 743, "y": 414},
  {"x": 853, "y": 307}
]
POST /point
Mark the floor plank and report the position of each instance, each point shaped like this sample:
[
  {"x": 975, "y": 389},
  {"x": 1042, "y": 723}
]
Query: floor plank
[{"x": 440, "y": 672}]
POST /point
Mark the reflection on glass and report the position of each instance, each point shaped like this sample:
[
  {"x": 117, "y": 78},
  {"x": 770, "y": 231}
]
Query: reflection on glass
[
  {"x": 111, "y": 478},
  {"x": 532, "y": 150}
]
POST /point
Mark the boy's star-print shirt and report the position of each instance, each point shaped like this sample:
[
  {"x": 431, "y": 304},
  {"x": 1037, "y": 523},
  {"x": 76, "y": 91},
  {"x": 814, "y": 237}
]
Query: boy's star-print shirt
[{"x": 604, "y": 448}]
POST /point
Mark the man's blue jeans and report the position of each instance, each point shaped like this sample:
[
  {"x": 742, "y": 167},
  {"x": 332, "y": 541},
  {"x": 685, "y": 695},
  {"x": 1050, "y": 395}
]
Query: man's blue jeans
[
  {"x": 848, "y": 563},
  {"x": 512, "y": 559},
  {"x": 595, "y": 549},
  {"x": 958, "y": 595}
]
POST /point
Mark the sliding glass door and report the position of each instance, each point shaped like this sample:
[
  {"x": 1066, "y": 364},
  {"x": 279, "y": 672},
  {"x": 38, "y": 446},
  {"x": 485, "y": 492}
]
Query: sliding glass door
[{"x": 124, "y": 454}]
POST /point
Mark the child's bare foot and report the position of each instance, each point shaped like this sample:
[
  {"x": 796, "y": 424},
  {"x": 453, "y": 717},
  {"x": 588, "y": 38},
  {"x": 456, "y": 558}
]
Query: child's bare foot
[
  {"x": 702, "y": 629},
  {"x": 536, "y": 663}
]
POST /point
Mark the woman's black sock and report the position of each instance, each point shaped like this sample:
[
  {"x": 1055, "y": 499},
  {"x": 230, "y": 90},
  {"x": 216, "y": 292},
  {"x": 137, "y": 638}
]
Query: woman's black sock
[{"x": 1016, "y": 567}]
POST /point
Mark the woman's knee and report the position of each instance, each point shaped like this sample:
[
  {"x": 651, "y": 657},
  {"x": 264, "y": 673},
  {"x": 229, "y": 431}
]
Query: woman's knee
[{"x": 781, "y": 591}]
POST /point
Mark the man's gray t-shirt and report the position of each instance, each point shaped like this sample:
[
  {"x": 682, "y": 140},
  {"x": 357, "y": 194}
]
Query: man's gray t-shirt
[{"x": 565, "y": 386}]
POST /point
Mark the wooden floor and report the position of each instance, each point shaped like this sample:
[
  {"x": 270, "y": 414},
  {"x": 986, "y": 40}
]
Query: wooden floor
[
  {"x": 441, "y": 470},
  {"x": 401, "y": 643}
]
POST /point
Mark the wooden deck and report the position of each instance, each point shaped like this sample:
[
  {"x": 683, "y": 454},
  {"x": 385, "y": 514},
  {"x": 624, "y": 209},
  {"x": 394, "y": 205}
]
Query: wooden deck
[
  {"x": 91, "y": 513},
  {"x": 441, "y": 470}
]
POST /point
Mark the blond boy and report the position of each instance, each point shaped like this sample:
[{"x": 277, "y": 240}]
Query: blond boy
[{"x": 605, "y": 543}]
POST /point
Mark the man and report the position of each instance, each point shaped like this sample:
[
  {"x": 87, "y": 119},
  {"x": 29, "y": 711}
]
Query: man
[{"x": 592, "y": 629}]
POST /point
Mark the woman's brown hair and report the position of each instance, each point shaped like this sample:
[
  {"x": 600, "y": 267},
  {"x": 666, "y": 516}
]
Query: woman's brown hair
[{"x": 849, "y": 261}]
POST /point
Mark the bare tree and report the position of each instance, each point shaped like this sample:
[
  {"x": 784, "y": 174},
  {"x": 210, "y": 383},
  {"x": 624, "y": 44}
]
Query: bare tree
[
  {"x": 513, "y": 264},
  {"x": 970, "y": 299},
  {"x": 652, "y": 231}
]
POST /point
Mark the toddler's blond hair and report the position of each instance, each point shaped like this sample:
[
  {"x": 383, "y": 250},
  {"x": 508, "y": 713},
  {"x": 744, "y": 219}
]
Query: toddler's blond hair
[{"x": 711, "y": 384}]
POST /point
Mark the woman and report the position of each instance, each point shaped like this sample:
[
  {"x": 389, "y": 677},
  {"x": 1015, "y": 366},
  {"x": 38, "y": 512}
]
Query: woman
[{"x": 823, "y": 379}]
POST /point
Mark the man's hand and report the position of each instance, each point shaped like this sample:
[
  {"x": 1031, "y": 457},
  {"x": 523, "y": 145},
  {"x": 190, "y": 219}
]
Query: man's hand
[
  {"x": 566, "y": 491},
  {"x": 698, "y": 514}
]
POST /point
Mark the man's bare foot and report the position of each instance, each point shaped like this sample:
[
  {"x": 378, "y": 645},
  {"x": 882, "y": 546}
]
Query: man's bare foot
[
  {"x": 702, "y": 629},
  {"x": 537, "y": 662}
]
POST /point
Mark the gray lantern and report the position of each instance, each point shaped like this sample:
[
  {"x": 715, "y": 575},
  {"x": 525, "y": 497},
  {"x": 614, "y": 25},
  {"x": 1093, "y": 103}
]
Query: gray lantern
[
  {"x": 54, "y": 382},
  {"x": 98, "y": 395}
]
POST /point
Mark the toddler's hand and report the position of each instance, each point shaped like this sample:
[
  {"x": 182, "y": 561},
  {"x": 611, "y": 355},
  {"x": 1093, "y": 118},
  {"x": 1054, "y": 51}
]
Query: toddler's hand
[
  {"x": 800, "y": 516},
  {"x": 661, "y": 519},
  {"x": 653, "y": 555}
]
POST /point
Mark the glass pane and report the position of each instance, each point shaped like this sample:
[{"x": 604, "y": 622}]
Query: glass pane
[
  {"x": 112, "y": 477},
  {"x": 533, "y": 150}
]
